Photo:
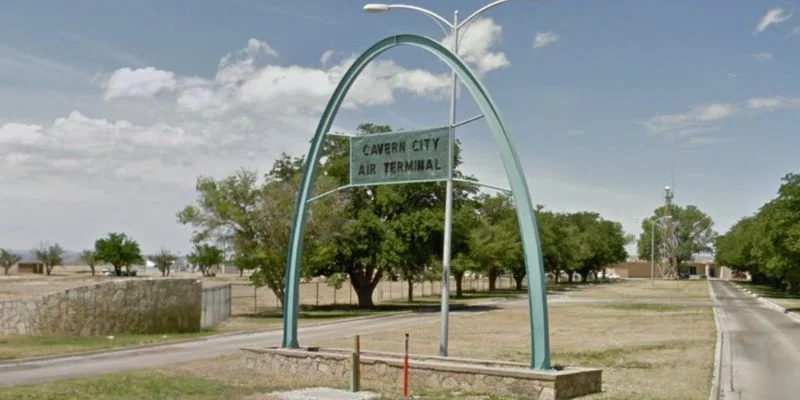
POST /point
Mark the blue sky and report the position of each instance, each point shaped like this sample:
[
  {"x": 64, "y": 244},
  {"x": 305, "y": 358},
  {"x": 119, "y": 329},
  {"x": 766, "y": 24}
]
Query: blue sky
[{"x": 108, "y": 110}]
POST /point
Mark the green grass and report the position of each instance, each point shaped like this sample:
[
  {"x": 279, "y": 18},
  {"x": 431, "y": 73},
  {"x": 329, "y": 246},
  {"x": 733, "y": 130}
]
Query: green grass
[
  {"x": 134, "y": 385},
  {"x": 613, "y": 356},
  {"x": 789, "y": 301},
  {"x": 768, "y": 291},
  {"x": 644, "y": 307},
  {"x": 13, "y": 347}
]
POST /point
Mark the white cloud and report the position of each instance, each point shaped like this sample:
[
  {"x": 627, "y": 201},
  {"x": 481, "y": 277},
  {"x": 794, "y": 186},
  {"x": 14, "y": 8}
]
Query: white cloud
[
  {"x": 765, "y": 56},
  {"x": 795, "y": 31},
  {"x": 772, "y": 17},
  {"x": 702, "y": 140},
  {"x": 326, "y": 57},
  {"x": 143, "y": 82},
  {"x": 691, "y": 122},
  {"x": 14, "y": 133},
  {"x": 544, "y": 39},
  {"x": 256, "y": 47},
  {"x": 243, "y": 82},
  {"x": 476, "y": 43},
  {"x": 773, "y": 103},
  {"x": 693, "y": 125},
  {"x": 246, "y": 114},
  {"x": 733, "y": 75}
]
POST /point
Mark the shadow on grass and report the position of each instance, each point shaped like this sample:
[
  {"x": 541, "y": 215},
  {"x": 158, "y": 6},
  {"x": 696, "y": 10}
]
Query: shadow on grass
[
  {"x": 768, "y": 291},
  {"x": 422, "y": 304},
  {"x": 340, "y": 311}
]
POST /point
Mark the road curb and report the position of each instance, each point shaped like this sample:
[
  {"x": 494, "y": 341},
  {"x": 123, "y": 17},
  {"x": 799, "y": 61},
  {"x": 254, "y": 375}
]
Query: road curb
[
  {"x": 769, "y": 303},
  {"x": 5, "y": 364},
  {"x": 716, "y": 375}
]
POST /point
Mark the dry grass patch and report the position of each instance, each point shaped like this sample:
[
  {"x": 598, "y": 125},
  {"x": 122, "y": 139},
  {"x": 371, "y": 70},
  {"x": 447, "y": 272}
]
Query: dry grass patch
[
  {"x": 646, "y": 289},
  {"x": 19, "y": 346},
  {"x": 645, "y": 352},
  {"x": 19, "y": 288}
]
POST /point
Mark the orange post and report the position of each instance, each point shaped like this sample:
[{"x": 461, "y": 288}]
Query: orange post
[{"x": 405, "y": 371}]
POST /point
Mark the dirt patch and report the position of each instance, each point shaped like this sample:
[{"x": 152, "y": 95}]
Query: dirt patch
[{"x": 644, "y": 351}]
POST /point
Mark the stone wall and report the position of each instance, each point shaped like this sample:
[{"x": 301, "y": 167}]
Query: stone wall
[
  {"x": 471, "y": 376},
  {"x": 116, "y": 306}
]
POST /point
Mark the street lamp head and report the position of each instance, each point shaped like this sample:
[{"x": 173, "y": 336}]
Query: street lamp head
[{"x": 376, "y": 8}]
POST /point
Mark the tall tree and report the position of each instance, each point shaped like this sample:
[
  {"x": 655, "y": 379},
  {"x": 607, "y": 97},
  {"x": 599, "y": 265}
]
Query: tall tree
[
  {"x": 252, "y": 220},
  {"x": 694, "y": 234},
  {"x": 163, "y": 261},
  {"x": 465, "y": 220},
  {"x": 118, "y": 250},
  {"x": 494, "y": 239},
  {"x": 766, "y": 244},
  {"x": 8, "y": 259},
  {"x": 50, "y": 256},
  {"x": 602, "y": 243},
  {"x": 89, "y": 257},
  {"x": 559, "y": 241}
]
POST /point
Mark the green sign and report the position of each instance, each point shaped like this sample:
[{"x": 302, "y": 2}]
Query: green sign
[{"x": 399, "y": 157}]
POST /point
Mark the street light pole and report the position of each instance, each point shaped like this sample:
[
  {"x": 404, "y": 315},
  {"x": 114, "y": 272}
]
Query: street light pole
[
  {"x": 652, "y": 251},
  {"x": 455, "y": 29},
  {"x": 448, "y": 206},
  {"x": 653, "y": 223}
]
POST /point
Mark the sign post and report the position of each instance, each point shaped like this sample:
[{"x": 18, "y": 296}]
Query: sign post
[{"x": 399, "y": 157}]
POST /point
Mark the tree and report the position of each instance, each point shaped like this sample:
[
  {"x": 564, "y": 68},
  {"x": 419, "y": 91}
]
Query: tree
[
  {"x": 163, "y": 261},
  {"x": 494, "y": 242},
  {"x": 694, "y": 234},
  {"x": 413, "y": 236},
  {"x": 768, "y": 244},
  {"x": 50, "y": 256},
  {"x": 206, "y": 256},
  {"x": 252, "y": 220},
  {"x": 559, "y": 241},
  {"x": 465, "y": 220},
  {"x": 89, "y": 257},
  {"x": 737, "y": 248},
  {"x": 8, "y": 259},
  {"x": 118, "y": 250},
  {"x": 601, "y": 243}
]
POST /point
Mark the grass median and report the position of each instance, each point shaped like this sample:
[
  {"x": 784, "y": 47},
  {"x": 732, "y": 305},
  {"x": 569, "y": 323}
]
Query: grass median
[
  {"x": 646, "y": 351},
  {"x": 789, "y": 301}
]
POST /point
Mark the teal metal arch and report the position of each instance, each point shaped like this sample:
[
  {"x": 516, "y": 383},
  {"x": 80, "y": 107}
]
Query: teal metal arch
[{"x": 537, "y": 293}]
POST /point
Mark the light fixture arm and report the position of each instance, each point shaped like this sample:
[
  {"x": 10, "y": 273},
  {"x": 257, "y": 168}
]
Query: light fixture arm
[
  {"x": 425, "y": 11},
  {"x": 480, "y": 11}
]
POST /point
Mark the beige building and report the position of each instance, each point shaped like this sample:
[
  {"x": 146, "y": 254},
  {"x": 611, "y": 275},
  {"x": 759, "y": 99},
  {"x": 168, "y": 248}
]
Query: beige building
[{"x": 642, "y": 269}]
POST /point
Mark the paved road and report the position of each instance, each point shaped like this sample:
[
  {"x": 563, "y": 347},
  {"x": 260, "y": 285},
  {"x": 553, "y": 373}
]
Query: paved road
[
  {"x": 760, "y": 353},
  {"x": 153, "y": 357}
]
